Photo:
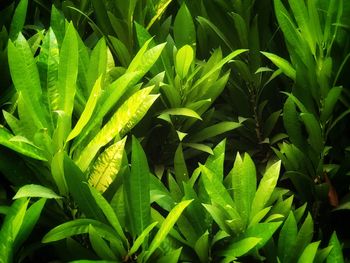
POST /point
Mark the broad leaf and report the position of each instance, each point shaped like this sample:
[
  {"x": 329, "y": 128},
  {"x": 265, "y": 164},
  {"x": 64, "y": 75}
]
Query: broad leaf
[
  {"x": 244, "y": 185},
  {"x": 184, "y": 59}
]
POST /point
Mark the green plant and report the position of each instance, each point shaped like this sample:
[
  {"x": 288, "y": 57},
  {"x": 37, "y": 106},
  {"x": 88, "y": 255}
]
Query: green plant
[
  {"x": 235, "y": 25},
  {"x": 309, "y": 111},
  {"x": 58, "y": 86},
  {"x": 19, "y": 221},
  {"x": 188, "y": 93},
  {"x": 108, "y": 234}
]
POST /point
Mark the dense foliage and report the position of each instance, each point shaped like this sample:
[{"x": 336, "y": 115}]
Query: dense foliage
[{"x": 174, "y": 131}]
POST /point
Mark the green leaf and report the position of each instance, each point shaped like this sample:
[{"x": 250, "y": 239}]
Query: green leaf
[
  {"x": 141, "y": 238},
  {"x": 309, "y": 253},
  {"x": 200, "y": 147},
  {"x": 57, "y": 172},
  {"x": 292, "y": 35},
  {"x": 184, "y": 59},
  {"x": 66, "y": 82},
  {"x": 172, "y": 257},
  {"x": 215, "y": 188},
  {"x": 205, "y": 22},
  {"x": 292, "y": 123},
  {"x": 25, "y": 77},
  {"x": 239, "y": 248},
  {"x": 314, "y": 131},
  {"x": 265, "y": 189},
  {"x": 259, "y": 216},
  {"x": 125, "y": 118},
  {"x": 243, "y": 176},
  {"x": 48, "y": 61},
  {"x": 11, "y": 227},
  {"x": 18, "y": 19},
  {"x": 144, "y": 60},
  {"x": 287, "y": 238},
  {"x": 109, "y": 213},
  {"x": 100, "y": 11},
  {"x": 78, "y": 227},
  {"x": 281, "y": 63},
  {"x": 214, "y": 130},
  {"x": 106, "y": 167},
  {"x": 270, "y": 123},
  {"x": 304, "y": 237},
  {"x": 336, "y": 254},
  {"x": 34, "y": 190},
  {"x": 184, "y": 29},
  {"x": 301, "y": 16},
  {"x": 182, "y": 112},
  {"x": 79, "y": 189},
  {"x": 330, "y": 102},
  {"x": 88, "y": 110},
  {"x": 322, "y": 254},
  {"x": 98, "y": 64},
  {"x": 166, "y": 226},
  {"x": 241, "y": 28},
  {"x": 121, "y": 51},
  {"x": 19, "y": 146},
  {"x": 137, "y": 188},
  {"x": 160, "y": 8},
  {"x": 218, "y": 66},
  {"x": 58, "y": 24},
  {"x": 180, "y": 167},
  {"x": 215, "y": 162},
  {"x": 220, "y": 216},
  {"x": 99, "y": 245},
  {"x": 29, "y": 221},
  {"x": 202, "y": 247},
  {"x": 264, "y": 231}
]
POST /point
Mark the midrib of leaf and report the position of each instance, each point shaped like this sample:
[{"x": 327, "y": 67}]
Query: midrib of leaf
[
  {"x": 112, "y": 161},
  {"x": 122, "y": 121}
]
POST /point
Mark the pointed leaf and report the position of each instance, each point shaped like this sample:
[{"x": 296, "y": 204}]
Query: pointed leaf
[
  {"x": 88, "y": 110},
  {"x": 125, "y": 118},
  {"x": 25, "y": 77},
  {"x": 18, "y": 19},
  {"x": 107, "y": 166},
  {"x": 184, "y": 59},
  {"x": 336, "y": 254},
  {"x": 166, "y": 226},
  {"x": 281, "y": 63},
  {"x": 34, "y": 190},
  {"x": 266, "y": 187},
  {"x": 309, "y": 253},
  {"x": 244, "y": 185},
  {"x": 239, "y": 248},
  {"x": 137, "y": 187},
  {"x": 109, "y": 213}
]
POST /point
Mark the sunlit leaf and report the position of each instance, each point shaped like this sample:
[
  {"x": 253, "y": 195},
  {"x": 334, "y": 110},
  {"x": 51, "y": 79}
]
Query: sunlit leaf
[
  {"x": 125, "y": 118},
  {"x": 107, "y": 166}
]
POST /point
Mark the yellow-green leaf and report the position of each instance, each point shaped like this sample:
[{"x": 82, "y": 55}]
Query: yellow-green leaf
[{"x": 107, "y": 166}]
